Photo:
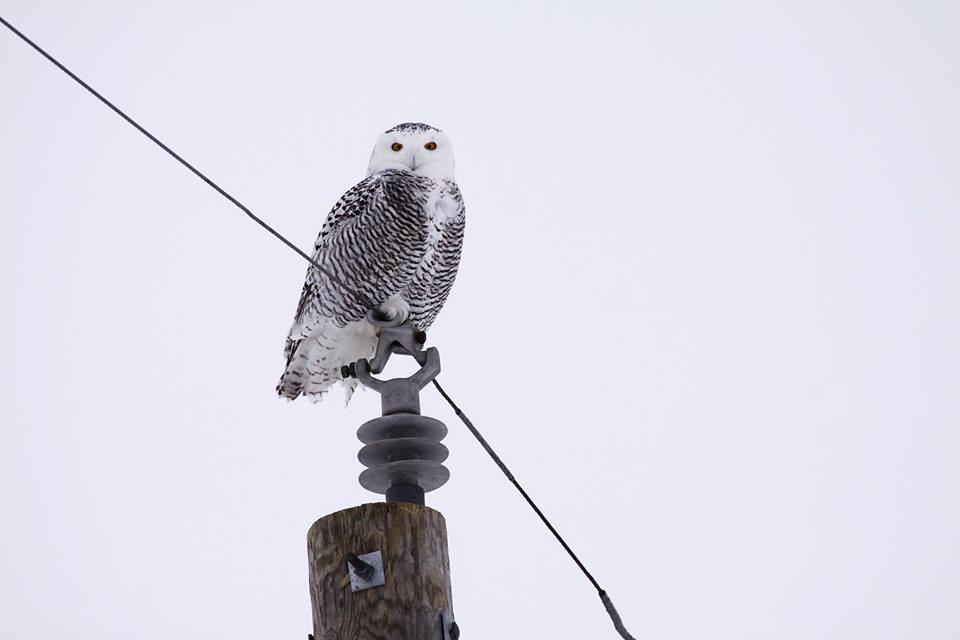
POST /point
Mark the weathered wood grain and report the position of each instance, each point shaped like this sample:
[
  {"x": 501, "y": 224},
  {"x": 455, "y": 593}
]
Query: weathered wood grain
[{"x": 413, "y": 541}]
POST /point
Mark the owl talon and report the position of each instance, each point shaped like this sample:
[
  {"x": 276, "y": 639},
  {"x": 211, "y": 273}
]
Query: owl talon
[{"x": 393, "y": 312}]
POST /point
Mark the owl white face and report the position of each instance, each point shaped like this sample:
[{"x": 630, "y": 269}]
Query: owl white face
[{"x": 419, "y": 148}]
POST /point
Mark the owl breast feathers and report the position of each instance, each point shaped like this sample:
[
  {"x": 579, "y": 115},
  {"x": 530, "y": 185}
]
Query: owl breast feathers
[{"x": 396, "y": 239}]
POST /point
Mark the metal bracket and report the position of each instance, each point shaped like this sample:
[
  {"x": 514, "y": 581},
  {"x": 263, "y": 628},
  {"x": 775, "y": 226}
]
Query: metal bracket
[
  {"x": 403, "y": 338},
  {"x": 363, "y": 578},
  {"x": 429, "y": 369},
  {"x": 450, "y": 629},
  {"x": 399, "y": 395}
]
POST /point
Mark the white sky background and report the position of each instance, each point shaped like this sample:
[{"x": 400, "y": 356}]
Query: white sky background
[{"x": 708, "y": 311}]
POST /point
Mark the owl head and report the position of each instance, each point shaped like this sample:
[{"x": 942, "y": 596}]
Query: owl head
[{"x": 415, "y": 147}]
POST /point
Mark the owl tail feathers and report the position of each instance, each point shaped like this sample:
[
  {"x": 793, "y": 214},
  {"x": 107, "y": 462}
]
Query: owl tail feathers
[
  {"x": 290, "y": 388},
  {"x": 314, "y": 362},
  {"x": 296, "y": 382}
]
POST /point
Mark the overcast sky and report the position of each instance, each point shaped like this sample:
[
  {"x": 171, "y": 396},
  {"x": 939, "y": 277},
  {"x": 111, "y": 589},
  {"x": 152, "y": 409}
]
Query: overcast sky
[{"x": 708, "y": 311}]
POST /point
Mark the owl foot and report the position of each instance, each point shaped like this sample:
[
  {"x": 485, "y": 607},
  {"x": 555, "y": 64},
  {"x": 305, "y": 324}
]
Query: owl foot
[{"x": 393, "y": 312}]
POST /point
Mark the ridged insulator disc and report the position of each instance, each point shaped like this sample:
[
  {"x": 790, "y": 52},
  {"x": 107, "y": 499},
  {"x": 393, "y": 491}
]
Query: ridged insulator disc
[
  {"x": 395, "y": 449},
  {"x": 401, "y": 425},
  {"x": 428, "y": 474}
]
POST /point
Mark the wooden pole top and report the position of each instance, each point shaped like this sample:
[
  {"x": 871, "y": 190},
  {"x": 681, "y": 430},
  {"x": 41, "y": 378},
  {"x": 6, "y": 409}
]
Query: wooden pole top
[{"x": 412, "y": 540}]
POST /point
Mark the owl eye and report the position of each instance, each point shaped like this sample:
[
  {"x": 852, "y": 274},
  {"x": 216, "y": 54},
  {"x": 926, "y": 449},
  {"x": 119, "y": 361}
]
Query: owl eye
[
  {"x": 396, "y": 146},
  {"x": 430, "y": 146}
]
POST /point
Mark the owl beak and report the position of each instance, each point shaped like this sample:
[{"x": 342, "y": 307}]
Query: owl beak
[{"x": 413, "y": 162}]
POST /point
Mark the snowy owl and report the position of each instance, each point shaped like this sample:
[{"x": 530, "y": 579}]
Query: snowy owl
[{"x": 395, "y": 237}]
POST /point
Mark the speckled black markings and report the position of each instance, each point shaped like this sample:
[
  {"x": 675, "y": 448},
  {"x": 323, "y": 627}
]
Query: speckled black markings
[{"x": 412, "y": 127}]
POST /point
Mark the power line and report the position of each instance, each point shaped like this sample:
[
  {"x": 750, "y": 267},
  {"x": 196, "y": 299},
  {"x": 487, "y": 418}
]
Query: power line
[
  {"x": 607, "y": 603},
  {"x": 358, "y": 296}
]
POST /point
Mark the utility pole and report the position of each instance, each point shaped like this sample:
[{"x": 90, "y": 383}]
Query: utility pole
[{"x": 381, "y": 571}]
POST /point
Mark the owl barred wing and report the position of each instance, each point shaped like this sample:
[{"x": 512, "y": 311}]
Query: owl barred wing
[
  {"x": 373, "y": 240},
  {"x": 309, "y": 309}
]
